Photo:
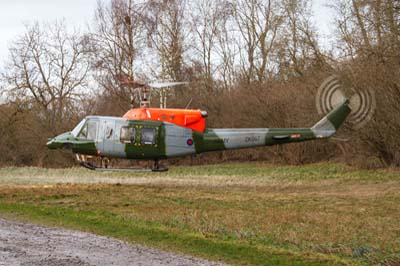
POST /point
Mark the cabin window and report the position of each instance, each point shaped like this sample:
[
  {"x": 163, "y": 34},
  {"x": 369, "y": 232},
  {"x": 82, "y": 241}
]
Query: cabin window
[
  {"x": 127, "y": 134},
  {"x": 148, "y": 136}
]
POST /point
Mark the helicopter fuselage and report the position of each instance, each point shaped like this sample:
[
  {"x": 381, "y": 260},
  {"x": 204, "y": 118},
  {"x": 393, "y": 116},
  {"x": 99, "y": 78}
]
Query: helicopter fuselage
[
  {"x": 137, "y": 139},
  {"x": 115, "y": 137}
]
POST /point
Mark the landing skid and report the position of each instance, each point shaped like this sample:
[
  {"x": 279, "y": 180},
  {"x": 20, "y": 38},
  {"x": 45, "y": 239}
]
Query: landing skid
[{"x": 96, "y": 168}]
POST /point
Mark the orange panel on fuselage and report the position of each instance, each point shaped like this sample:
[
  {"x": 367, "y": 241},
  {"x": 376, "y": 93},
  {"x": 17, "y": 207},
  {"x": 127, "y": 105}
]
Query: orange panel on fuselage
[{"x": 193, "y": 119}]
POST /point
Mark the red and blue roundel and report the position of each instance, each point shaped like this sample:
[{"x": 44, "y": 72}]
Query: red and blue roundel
[{"x": 189, "y": 142}]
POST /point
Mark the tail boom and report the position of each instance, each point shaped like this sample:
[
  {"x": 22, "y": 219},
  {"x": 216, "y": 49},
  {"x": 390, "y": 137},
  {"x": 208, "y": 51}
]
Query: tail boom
[{"x": 225, "y": 139}]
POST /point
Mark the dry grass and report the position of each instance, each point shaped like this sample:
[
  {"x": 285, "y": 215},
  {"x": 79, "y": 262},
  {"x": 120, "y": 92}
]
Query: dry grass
[{"x": 336, "y": 215}]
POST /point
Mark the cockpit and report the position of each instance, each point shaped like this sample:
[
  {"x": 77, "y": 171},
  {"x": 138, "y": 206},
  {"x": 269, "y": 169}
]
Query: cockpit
[
  {"x": 78, "y": 128},
  {"x": 86, "y": 129}
]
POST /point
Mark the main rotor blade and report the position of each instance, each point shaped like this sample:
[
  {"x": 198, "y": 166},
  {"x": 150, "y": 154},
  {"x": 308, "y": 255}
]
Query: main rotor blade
[{"x": 159, "y": 85}]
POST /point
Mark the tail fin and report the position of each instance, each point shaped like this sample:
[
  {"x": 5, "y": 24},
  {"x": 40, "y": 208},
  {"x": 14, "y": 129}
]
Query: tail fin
[{"x": 328, "y": 125}]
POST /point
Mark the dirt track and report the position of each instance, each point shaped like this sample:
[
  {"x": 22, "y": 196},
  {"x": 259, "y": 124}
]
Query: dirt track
[{"x": 24, "y": 244}]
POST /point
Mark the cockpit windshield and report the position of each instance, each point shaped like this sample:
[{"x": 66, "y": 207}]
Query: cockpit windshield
[
  {"x": 78, "y": 128},
  {"x": 86, "y": 129}
]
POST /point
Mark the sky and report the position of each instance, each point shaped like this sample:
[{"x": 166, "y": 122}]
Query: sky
[
  {"x": 78, "y": 13},
  {"x": 15, "y": 14}
]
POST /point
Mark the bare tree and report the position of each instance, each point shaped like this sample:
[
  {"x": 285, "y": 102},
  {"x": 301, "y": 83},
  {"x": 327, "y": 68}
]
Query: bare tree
[
  {"x": 48, "y": 67},
  {"x": 368, "y": 31},
  {"x": 299, "y": 48},
  {"x": 117, "y": 40},
  {"x": 228, "y": 50},
  {"x": 368, "y": 27},
  {"x": 258, "y": 23},
  {"x": 166, "y": 31},
  {"x": 207, "y": 20}
]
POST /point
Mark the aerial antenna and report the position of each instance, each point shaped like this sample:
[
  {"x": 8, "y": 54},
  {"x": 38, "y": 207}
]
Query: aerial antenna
[{"x": 189, "y": 103}]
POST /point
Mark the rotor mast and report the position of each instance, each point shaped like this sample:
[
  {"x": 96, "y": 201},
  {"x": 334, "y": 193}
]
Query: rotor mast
[{"x": 144, "y": 91}]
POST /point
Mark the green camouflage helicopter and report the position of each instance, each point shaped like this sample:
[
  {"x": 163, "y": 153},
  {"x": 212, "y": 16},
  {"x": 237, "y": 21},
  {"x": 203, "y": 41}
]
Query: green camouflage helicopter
[{"x": 159, "y": 133}]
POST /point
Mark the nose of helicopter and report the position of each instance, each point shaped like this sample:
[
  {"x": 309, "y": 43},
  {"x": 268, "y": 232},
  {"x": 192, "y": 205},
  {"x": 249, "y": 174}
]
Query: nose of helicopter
[
  {"x": 50, "y": 143},
  {"x": 59, "y": 141},
  {"x": 54, "y": 144}
]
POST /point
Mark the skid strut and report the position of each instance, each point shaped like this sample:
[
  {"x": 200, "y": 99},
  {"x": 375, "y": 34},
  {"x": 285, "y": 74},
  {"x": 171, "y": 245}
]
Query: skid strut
[{"x": 157, "y": 167}]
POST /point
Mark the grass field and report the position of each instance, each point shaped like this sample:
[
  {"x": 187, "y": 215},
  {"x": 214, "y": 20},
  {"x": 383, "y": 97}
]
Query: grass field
[{"x": 241, "y": 214}]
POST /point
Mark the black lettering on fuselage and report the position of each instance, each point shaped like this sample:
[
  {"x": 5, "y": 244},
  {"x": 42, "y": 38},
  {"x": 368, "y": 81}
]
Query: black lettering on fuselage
[{"x": 252, "y": 139}]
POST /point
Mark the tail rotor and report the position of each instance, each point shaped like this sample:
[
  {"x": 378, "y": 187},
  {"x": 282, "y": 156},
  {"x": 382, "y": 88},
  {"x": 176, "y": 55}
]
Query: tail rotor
[{"x": 362, "y": 102}]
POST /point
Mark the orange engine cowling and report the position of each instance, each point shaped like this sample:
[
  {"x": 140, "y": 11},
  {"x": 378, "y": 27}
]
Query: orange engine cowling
[{"x": 193, "y": 119}]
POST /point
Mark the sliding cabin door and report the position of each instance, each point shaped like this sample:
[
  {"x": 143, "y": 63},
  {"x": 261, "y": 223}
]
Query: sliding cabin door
[{"x": 107, "y": 132}]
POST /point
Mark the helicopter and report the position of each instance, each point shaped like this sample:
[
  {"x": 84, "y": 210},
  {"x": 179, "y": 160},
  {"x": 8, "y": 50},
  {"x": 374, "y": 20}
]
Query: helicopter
[{"x": 155, "y": 134}]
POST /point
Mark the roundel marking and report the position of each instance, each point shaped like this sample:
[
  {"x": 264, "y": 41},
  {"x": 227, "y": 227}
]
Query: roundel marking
[{"x": 189, "y": 142}]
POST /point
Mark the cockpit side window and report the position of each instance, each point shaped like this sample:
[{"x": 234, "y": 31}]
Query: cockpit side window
[
  {"x": 89, "y": 130},
  {"x": 92, "y": 130},
  {"x": 148, "y": 135},
  {"x": 83, "y": 133},
  {"x": 78, "y": 128},
  {"x": 127, "y": 134}
]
